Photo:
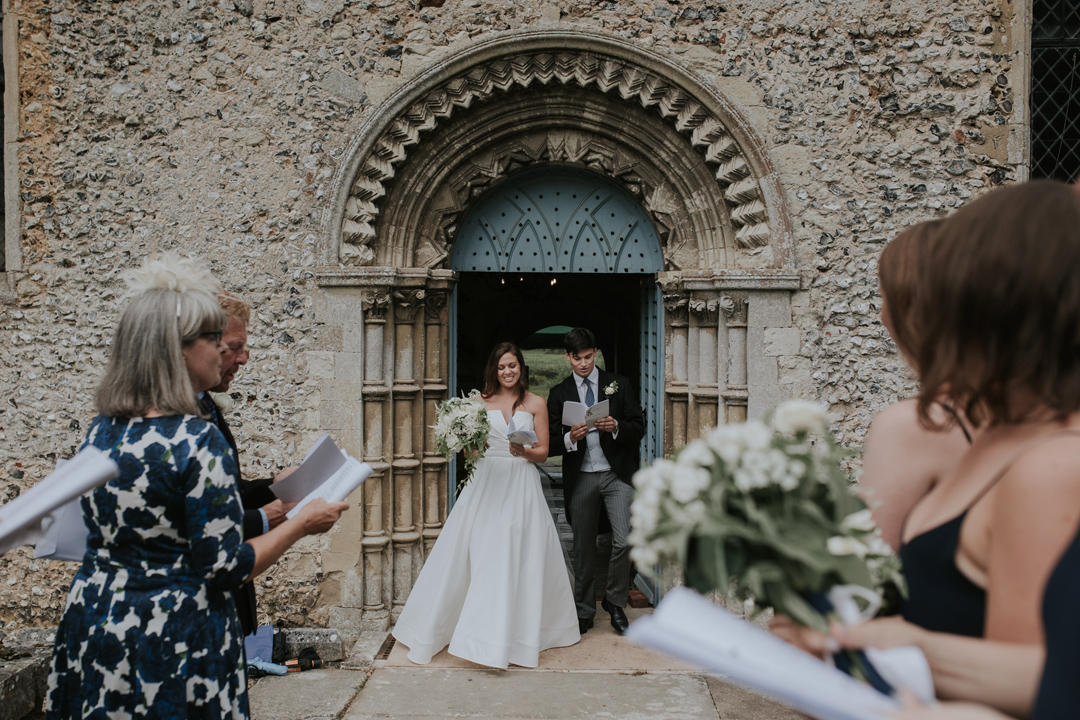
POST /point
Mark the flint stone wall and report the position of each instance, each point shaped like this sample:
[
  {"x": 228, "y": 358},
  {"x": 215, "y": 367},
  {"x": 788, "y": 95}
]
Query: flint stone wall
[{"x": 216, "y": 127}]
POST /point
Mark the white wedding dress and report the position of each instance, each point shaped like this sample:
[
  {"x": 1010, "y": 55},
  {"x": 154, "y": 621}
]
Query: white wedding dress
[{"x": 495, "y": 586}]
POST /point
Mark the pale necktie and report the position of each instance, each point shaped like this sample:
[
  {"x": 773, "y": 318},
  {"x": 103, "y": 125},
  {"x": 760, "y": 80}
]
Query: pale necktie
[{"x": 590, "y": 399}]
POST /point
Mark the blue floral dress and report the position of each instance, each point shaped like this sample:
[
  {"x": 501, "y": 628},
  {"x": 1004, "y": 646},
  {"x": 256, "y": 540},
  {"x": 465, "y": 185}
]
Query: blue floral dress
[{"x": 150, "y": 629}]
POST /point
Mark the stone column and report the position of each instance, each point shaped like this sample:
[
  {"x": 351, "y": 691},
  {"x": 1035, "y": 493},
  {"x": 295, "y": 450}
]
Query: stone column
[
  {"x": 734, "y": 306},
  {"x": 408, "y": 418},
  {"x": 436, "y": 384},
  {"x": 376, "y": 395},
  {"x": 705, "y": 313},
  {"x": 677, "y": 388}
]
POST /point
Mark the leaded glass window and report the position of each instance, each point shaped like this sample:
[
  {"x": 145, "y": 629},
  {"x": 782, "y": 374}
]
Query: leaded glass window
[{"x": 1055, "y": 89}]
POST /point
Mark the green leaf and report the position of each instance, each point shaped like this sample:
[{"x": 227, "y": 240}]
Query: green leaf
[{"x": 795, "y": 606}]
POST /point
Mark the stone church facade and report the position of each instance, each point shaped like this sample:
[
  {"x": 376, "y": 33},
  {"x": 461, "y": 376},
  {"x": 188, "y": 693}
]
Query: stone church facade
[{"x": 325, "y": 155}]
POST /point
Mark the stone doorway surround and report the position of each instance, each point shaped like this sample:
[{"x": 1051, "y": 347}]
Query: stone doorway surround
[{"x": 666, "y": 134}]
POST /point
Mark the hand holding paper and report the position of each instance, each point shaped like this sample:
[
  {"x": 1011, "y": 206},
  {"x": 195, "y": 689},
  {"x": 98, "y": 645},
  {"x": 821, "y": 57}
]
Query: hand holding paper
[
  {"x": 690, "y": 627},
  {"x": 327, "y": 473},
  {"x": 575, "y": 413},
  {"x": 520, "y": 437}
]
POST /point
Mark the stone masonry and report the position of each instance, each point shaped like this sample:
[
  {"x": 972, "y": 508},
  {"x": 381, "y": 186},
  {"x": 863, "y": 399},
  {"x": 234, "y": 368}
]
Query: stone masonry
[{"x": 218, "y": 127}]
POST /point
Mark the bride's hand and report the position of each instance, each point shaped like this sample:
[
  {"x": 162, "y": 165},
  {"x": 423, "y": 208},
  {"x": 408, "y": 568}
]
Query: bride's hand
[
  {"x": 473, "y": 454},
  {"x": 517, "y": 450}
]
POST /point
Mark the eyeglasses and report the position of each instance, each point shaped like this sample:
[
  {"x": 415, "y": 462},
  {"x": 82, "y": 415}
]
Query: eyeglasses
[{"x": 214, "y": 335}]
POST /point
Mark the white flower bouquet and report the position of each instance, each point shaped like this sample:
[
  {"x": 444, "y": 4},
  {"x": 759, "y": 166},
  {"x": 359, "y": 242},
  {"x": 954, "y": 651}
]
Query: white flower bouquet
[
  {"x": 462, "y": 425},
  {"x": 766, "y": 512}
]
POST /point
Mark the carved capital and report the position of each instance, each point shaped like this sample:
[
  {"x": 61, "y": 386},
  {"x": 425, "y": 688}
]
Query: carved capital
[
  {"x": 734, "y": 308},
  {"x": 706, "y": 309},
  {"x": 375, "y": 303},
  {"x": 433, "y": 305},
  {"x": 406, "y": 304},
  {"x": 675, "y": 305}
]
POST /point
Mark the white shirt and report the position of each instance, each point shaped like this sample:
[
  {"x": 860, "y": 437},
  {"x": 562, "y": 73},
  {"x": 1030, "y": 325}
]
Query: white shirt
[{"x": 595, "y": 460}]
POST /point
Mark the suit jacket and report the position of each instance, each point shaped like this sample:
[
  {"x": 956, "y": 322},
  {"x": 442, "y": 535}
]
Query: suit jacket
[
  {"x": 621, "y": 452},
  {"x": 253, "y": 495}
]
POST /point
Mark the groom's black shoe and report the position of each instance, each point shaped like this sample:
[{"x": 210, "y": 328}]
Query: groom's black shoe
[
  {"x": 618, "y": 617},
  {"x": 583, "y": 626}
]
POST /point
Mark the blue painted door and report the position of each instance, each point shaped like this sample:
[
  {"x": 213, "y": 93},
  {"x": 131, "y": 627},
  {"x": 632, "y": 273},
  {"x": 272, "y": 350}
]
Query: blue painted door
[{"x": 557, "y": 219}]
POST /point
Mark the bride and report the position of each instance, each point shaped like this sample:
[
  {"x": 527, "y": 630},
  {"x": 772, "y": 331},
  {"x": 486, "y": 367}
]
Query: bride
[{"x": 495, "y": 587}]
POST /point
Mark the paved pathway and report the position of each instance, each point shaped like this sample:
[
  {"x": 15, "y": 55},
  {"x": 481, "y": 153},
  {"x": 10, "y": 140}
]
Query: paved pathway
[{"x": 603, "y": 676}]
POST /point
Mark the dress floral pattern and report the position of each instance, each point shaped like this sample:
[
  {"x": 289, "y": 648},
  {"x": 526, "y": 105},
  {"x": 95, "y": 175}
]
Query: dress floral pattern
[{"x": 150, "y": 629}]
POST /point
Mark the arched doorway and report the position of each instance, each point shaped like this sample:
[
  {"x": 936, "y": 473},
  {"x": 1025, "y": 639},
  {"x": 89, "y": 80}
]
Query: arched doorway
[
  {"x": 717, "y": 314},
  {"x": 560, "y": 245}
]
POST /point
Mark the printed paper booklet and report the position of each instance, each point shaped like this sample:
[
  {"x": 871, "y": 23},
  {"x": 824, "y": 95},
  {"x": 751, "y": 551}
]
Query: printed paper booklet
[
  {"x": 25, "y": 520},
  {"x": 694, "y": 629},
  {"x": 575, "y": 413},
  {"x": 520, "y": 437},
  {"x": 327, "y": 472}
]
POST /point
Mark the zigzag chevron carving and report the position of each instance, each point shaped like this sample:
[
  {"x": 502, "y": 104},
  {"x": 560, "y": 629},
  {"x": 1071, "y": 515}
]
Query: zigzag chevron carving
[{"x": 705, "y": 132}]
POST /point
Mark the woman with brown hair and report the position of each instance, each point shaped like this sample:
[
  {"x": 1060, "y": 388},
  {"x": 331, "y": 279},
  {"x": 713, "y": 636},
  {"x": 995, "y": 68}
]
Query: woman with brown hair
[
  {"x": 1000, "y": 329},
  {"x": 495, "y": 587}
]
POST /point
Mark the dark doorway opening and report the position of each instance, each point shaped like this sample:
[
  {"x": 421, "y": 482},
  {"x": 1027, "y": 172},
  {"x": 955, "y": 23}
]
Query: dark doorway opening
[{"x": 493, "y": 307}]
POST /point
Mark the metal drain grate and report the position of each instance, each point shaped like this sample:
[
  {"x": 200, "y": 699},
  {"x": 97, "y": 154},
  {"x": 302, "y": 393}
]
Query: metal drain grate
[{"x": 387, "y": 646}]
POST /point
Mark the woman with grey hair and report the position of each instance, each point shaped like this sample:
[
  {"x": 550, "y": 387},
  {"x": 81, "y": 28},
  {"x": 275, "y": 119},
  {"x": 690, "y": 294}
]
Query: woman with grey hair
[{"x": 150, "y": 628}]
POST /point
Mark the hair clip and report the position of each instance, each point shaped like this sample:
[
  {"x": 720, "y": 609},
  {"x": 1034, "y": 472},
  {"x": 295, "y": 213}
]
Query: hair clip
[{"x": 178, "y": 299}]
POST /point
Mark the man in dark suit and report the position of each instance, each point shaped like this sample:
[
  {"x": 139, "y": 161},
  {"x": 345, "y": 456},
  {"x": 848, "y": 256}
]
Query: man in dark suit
[
  {"x": 598, "y": 464},
  {"x": 262, "y": 509}
]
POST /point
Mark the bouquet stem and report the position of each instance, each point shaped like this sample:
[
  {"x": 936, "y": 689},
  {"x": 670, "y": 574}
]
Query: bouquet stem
[{"x": 853, "y": 662}]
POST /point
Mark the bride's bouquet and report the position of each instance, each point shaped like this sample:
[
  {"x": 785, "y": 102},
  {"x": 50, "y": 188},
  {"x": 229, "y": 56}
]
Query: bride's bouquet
[
  {"x": 766, "y": 512},
  {"x": 462, "y": 426}
]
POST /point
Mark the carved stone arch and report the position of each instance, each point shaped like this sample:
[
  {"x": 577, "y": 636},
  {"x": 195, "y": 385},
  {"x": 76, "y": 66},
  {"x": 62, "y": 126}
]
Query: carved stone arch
[
  {"x": 557, "y": 126},
  {"x": 604, "y": 66}
]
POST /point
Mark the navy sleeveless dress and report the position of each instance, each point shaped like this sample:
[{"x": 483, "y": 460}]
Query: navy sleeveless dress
[
  {"x": 940, "y": 597},
  {"x": 1059, "y": 691}
]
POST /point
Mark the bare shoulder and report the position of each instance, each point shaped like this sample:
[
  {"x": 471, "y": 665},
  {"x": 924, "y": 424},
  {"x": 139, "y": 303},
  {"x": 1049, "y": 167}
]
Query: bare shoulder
[
  {"x": 1047, "y": 468},
  {"x": 534, "y": 403},
  {"x": 900, "y": 423}
]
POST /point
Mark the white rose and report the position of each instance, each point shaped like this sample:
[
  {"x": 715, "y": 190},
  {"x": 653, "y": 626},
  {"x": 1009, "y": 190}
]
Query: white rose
[
  {"x": 696, "y": 511},
  {"x": 797, "y": 416},
  {"x": 725, "y": 442},
  {"x": 644, "y": 557},
  {"x": 876, "y": 545},
  {"x": 862, "y": 520},
  {"x": 746, "y": 480},
  {"x": 756, "y": 435},
  {"x": 644, "y": 514},
  {"x": 688, "y": 483},
  {"x": 696, "y": 453},
  {"x": 223, "y": 400},
  {"x": 843, "y": 545}
]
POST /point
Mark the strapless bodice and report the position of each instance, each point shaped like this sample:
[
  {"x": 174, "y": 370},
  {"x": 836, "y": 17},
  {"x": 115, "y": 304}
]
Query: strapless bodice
[{"x": 498, "y": 445}]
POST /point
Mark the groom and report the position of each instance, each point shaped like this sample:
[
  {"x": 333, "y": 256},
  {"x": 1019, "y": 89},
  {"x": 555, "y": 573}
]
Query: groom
[{"x": 597, "y": 467}]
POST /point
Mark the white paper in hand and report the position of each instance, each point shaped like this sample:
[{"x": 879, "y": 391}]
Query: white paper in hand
[
  {"x": 66, "y": 534},
  {"x": 338, "y": 486},
  {"x": 21, "y": 519},
  {"x": 520, "y": 437},
  {"x": 692, "y": 628},
  {"x": 323, "y": 460},
  {"x": 575, "y": 413}
]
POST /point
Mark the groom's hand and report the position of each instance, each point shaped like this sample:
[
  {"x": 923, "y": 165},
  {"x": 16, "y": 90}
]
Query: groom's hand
[
  {"x": 578, "y": 432},
  {"x": 607, "y": 424}
]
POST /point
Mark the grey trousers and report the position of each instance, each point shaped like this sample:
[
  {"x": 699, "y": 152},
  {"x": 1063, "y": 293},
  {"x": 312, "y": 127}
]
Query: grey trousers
[{"x": 592, "y": 488}]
